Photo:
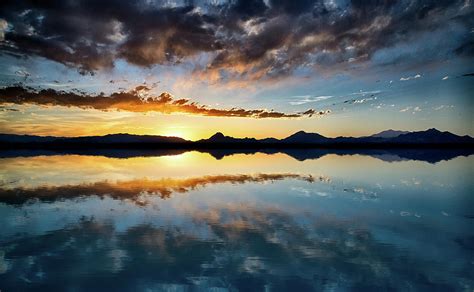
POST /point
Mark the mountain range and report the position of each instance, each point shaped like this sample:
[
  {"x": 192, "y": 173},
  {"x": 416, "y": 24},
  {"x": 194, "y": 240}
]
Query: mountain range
[
  {"x": 301, "y": 138},
  {"x": 430, "y": 136}
]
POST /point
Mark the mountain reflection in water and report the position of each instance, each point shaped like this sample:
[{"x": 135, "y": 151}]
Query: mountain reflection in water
[{"x": 242, "y": 223}]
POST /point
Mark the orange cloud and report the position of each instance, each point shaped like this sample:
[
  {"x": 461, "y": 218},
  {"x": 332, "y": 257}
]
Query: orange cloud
[{"x": 136, "y": 100}]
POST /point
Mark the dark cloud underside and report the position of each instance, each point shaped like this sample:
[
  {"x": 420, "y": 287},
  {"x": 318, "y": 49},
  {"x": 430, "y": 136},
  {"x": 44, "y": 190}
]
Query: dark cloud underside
[{"x": 247, "y": 39}]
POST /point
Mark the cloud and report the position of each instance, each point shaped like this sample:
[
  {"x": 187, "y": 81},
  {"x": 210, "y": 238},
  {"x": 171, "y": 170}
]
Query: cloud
[
  {"x": 6, "y": 109},
  {"x": 443, "y": 107},
  {"x": 304, "y": 99},
  {"x": 3, "y": 29},
  {"x": 232, "y": 40},
  {"x": 406, "y": 109},
  {"x": 359, "y": 101},
  {"x": 136, "y": 100},
  {"x": 445, "y": 78},
  {"x": 364, "y": 100},
  {"x": 413, "y": 109},
  {"x": 364, "y": 93},
  {"x": 410, "y": 77}
]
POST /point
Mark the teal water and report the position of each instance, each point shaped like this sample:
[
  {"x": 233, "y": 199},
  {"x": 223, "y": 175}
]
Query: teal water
[{"x": 258, "y": 222}]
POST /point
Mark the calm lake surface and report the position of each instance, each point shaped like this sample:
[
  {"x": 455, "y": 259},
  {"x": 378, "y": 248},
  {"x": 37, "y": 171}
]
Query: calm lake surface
[{"x": 256, "y": 222}]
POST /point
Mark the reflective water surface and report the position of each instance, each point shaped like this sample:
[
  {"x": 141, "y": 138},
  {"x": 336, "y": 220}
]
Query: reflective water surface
[{"x": 243, "y": 222}]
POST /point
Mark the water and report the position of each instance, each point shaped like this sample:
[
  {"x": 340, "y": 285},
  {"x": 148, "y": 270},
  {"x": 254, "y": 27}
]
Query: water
[{"x": 247, "y": 222}]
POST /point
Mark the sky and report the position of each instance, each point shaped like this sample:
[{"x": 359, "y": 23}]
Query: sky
[{"x": 256, "y": 68}]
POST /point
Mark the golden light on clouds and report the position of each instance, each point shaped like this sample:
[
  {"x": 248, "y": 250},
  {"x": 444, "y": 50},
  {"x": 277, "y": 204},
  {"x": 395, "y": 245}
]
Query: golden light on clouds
[{"x": 138, "y": 100}]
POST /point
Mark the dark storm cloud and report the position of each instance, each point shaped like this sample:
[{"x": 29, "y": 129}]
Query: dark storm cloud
[
  {"x": 248, "y": 39},
  {"x": 136, "y": 100},
  {"x": 248, "y": 8},
  {"x": 90, "y": 35}
]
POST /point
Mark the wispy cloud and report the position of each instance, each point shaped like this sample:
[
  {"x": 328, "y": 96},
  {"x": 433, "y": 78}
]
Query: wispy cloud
[
  {"x": 360, "y": 101},
  {"x": 364, "y": 93},
  {"x": 412, "y": 109},
  {"x": 406, "y": 109},
  {"x": 304, "y": 99},
  {"x": 410, "y": 77},
  {"x": 443, "y": 107}
]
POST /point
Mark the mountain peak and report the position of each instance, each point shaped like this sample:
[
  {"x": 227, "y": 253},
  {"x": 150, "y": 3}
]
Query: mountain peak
[
  {"x": 300, "y": 133},
  {"x": 221, "y": 138},
  {"x": 217, "y": 135},
  {"x": 433, "y": 130},
  {"x": 304, "y": 137},
  {"x": 390, "y": 133}
]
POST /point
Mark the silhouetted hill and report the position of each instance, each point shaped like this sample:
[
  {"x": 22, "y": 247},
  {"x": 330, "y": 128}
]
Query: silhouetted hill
[
  {"x": 11, "y": 138},
  {"x": 431, "y": 136},
  {"x": 107, "y": 139},
  {"x": 220, "y": 138},
  {"x": 302, "y": 137},
  {"x": 123, "y": 138},
  {"x": 389, "y": 134}
]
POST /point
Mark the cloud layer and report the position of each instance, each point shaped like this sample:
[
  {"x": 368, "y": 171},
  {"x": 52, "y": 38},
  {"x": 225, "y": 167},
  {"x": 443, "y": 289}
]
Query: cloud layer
[
  {"x": 136, "y": 100},
  {"x": 241, "y": 39}
]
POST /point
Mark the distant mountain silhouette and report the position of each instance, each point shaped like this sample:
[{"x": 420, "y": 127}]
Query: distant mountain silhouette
[
  {"x": 389, "y": 138},
  {"x": 221, "y": 138},
  {"x": 11, "y": 138},
  {"x": 389, "y": 134},
  {"x": 303, "y": 137},
  {"x": 431, "y": 136},
  {"x": 107, "y": 139},
  {"x": 125, "y": 138}
]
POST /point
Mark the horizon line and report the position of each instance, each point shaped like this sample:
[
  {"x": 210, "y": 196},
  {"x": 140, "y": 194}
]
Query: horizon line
[{"x": 234, "y": 137}]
